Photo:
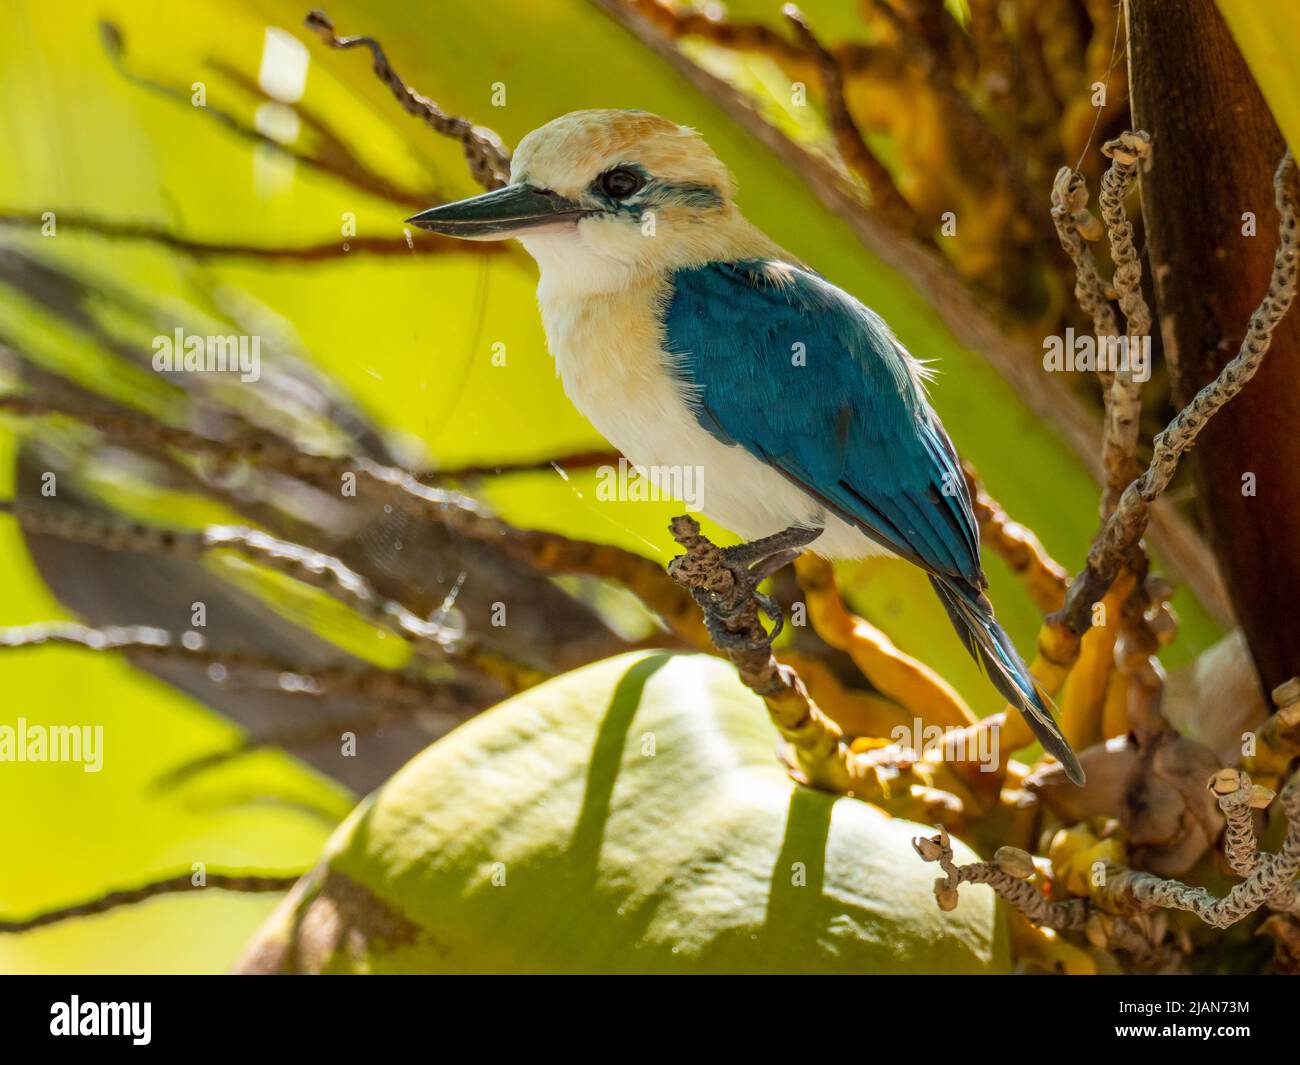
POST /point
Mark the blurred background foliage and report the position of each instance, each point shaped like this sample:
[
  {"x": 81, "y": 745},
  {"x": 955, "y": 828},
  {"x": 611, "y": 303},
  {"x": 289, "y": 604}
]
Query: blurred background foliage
[{"x": 96, "y": 104}]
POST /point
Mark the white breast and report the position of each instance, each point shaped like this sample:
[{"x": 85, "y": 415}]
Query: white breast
[{"x": 609, "y": 353}]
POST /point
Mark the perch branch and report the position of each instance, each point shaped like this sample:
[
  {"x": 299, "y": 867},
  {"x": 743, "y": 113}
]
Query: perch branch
[
  {"x": 817, "y": 740},
  {"x": 891, "y": 779}
]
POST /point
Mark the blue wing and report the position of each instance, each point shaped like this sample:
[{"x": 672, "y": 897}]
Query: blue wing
[{"x": 806, "y": 378}]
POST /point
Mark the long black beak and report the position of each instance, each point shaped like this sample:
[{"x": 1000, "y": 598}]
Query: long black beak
[{"x": 500, "y": 214}]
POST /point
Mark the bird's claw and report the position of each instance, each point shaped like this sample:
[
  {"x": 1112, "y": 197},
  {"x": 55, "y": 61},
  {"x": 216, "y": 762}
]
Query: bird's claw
[
  {"x": 769, "y": 605},
  {"x": 718, "y": 621},
  {"x": 725, "y": 617},
  {"x": 731, "y": 609}
]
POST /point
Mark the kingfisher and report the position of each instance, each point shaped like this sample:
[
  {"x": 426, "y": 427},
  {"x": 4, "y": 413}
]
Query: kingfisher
[{"x": 690, "y": 339}]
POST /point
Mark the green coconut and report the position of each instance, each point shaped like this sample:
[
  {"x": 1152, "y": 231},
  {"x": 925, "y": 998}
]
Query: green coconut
[{"x": 631, "y": 816}]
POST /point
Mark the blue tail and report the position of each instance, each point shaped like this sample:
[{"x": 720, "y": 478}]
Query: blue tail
[{"x": 972, "y": 617}]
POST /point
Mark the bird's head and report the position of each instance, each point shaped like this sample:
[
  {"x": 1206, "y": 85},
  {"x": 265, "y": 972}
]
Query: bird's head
[{"x": 599, "y": 196}]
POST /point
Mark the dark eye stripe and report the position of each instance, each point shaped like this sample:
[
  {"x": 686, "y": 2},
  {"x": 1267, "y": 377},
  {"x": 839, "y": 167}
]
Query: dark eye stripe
[{"x": 686, "y": 193}]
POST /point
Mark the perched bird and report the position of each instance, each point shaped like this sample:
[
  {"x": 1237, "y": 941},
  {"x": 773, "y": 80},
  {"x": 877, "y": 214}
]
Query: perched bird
[{"x": 691, "y": 340}]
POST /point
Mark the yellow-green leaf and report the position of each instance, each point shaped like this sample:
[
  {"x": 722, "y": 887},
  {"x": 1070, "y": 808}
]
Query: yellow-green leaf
[{"x": 629, "y": 816}]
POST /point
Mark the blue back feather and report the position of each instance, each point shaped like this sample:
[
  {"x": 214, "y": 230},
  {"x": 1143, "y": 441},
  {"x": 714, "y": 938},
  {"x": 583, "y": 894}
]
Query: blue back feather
[{"x": 851, "y": 426}]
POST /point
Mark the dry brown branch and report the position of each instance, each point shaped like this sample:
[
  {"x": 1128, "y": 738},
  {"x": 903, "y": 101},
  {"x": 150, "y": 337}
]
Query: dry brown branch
[
  {"x": 549, "y": 552},
  {"x": 817, "y": 740},
  {"x": 1075, "y": 225},
  {"x": 147, "y": 641},
  {"x": 488, "y": 159},
  {"x": 1125, "y": 527},
  {"x": 294, "y": 560},
  {"x": 1013, "y": 886},
  {"x": 1127, "y": 893},
  {"x": 1124, "y": 398},
  {"x": 853, "y": 148},
  {"x": 577, "y": 460},
  {"x": 172, "y": 885},
  {"x": 1278, "y": 744},
  {"x": 675, "y": 22}
]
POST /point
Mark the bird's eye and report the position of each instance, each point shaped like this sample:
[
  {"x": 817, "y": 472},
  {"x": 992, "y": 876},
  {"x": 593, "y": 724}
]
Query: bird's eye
[{"x": 620, "y": 183}]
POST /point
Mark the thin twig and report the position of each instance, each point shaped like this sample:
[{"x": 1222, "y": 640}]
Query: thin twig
[
  {"x": 577, "y": 460},
  {"x": 333, "y": 158},
  {"x": 488, "y": 159},
  {"x": 302, "y": 563},
  {"x": 172, "y": 885},
  {"x": 853, "y": 147},
  {"x": 327, "y": 251}
]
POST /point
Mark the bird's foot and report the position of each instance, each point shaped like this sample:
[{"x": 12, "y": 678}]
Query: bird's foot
[
  {"x": 731, "y": 617},
  {"x": 731, "y": 630},
  {"x": 731, "y": 607},
  {"x": 787, "y": 544}
]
